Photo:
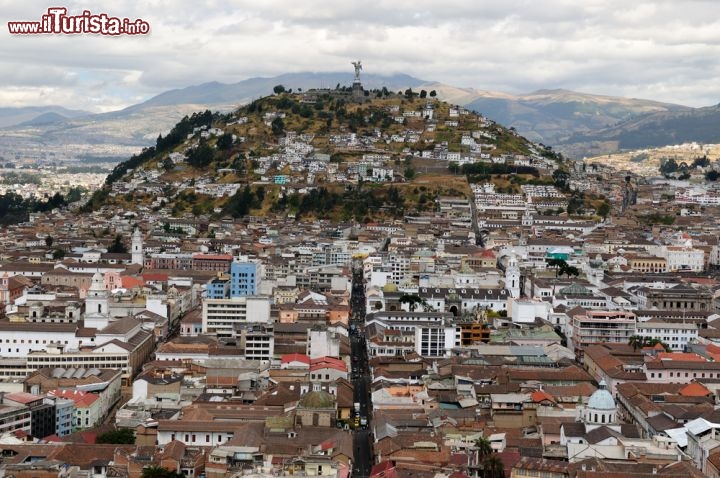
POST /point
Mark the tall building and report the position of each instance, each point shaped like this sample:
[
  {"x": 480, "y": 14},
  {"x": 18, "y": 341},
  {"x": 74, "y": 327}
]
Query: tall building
[
  {"x": 218, "y": 288},
  {"x": 599, "y": 326},
  {"x": 243, "y": 278},
  {"x": 97, "y": 307},
  {"x": 512, "y": 276},
  {"x": 138, "y": 254},
  {"x": 219, "y": 316}
]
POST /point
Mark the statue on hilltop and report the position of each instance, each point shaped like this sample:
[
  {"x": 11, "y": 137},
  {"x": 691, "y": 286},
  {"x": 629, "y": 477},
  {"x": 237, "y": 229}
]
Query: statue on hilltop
[{"x": 358, "y": 67}]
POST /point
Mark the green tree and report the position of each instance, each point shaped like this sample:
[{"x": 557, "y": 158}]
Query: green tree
[
  {"x": 159, "y": 472},
  {"x": 124, "y": 436},
  {"x": 488, "y": 462},
  {"x": 557, "y": 264},
  {"x": 668, "y": 166},
  {"x": 493, "y": 467},
  {"x": 638, "y": 342},
  {"x": 49, "y": 241},
  {"x": 58, "y": 254},
  {"x": 200, "y": 156},
  {"x": 277, "y": 89},
  {"x": 560, "y": 179},
  {"x": 75, "y": 194},
  {"x": 702, "y": 162},
  {"x": 117, "y": 245},
  {"x": 433, "y": 93},
  {"x": 712, "y": 175},
  {"x": 241, "y": 202},
  {"x": 604, "y": 209},
  {"x": 576, "y": 203},
  {"x": 562, "y": 268},
  {"x": 412, "y": 300},
  {"x": 224, "y": 142},
  {"x": 167, "y": 164},
  {"x": 570, "y": 271},
  {"x": 423, "y": 94},
  {"x": 277, "y": 126},
  {"x": 483, "y": 447},
  {"x": 409, "y": 172},
  {"x": 197, "y": 209}
]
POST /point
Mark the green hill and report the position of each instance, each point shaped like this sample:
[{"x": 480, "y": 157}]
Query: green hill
[{"x": 314, "y": 154}]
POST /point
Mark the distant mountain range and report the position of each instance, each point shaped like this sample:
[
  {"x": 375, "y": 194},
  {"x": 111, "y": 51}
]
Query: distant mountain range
[
  {"x": 215, "y": 93},
  {"x": 37, "y": 133},
  {"x": 28, "y": 114},
  {"x": 577, "y": 124},
  {"x": 661, "y": 128}
]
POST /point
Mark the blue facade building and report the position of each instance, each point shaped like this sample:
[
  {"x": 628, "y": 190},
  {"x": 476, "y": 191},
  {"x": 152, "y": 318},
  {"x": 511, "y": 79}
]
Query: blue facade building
[
  {"x": 64, "y": 412},
  {"x": 218, "y": 288},
  {"x": 243, "y": 279}
]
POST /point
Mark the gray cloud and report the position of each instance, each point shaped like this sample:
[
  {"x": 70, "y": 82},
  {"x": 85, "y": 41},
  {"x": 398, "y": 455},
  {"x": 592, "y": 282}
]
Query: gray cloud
[{"x": 662, "y": 50}]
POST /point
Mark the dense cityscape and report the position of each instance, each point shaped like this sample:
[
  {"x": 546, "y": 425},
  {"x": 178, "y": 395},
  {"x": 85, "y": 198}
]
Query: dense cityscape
[{"x": 356, "y": 282}]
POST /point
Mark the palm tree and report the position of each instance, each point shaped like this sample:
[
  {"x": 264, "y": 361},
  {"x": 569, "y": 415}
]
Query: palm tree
[
  {"x": 558, "y": 264},
  {"x": 636, "y": 341},
  {"x": 483, "y": 447},
  {"x": 159, "y": 472},
  {"x": 412, "y": 300},
  {"x": 493, "y": 467}
]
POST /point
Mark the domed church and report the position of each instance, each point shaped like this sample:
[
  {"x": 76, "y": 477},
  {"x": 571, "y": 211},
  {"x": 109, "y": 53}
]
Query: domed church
[{"x": 601, "y": 409}]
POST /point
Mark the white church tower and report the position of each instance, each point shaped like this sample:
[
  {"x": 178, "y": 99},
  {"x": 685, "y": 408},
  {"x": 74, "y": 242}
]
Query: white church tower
[
  {"x": 97, "y": 304},
  {"x": 138, "y": 255},
  {"x": 512, "y": 276}
]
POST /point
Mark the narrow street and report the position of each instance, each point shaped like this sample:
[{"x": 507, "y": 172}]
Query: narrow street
[{"x": 360, "y": 377}]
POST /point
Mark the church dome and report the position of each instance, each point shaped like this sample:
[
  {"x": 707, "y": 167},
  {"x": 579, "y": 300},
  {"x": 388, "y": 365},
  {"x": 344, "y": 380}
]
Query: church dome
[
  {"x": 390, "y": 288},
  {"x": 602, "y": 399},
  {"x": 317, "y": 399}
]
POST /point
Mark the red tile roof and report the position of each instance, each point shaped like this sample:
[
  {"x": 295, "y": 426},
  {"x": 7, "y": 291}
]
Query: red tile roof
[
  {"x": 81, "y": 399},
  {"x": 22, "y": 397},
  {"x": 129, "y": 282},
  {"x": 295, "y": 358},
  {"x": 213, "y": 257},
  {"x": 541, "y": 395},
  {"x": 386, "y": 469},
  {"x": 327, "y": 362},
  {"x": 681, "y": 356},
  {"x": 694, "y": 389},
  {"x": 155, "y": 277}
]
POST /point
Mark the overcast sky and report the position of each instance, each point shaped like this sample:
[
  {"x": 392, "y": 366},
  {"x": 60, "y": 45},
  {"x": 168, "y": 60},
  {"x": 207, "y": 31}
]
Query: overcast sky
[{"x": 661, "y": 50}]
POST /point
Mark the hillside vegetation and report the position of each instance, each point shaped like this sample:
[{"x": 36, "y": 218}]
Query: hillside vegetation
[{"x": 315, "y": 154}]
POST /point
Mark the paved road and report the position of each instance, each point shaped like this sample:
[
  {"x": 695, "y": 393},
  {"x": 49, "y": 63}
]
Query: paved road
[{"x": 362, "y": 462}]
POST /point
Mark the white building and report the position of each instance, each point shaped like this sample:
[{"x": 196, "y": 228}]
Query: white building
[
  {"x": 675, "y": 335},
  {"x": 436, "y": 340},
  {"x": 525, "y": 311},
  {"x": 137, "y": 252},
  {"x": 703, "y": 437},
  {"x": 88, "y": 407},
  {"x": 220, "y": 315},
  {"x": 97, "y": 308},
  {"x": 512, "y": 277},
  {"x": 323, "y": 343},
  {"x": 681, "y": 258}
]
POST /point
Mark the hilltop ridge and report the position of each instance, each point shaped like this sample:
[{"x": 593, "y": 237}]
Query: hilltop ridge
[{"x": 320, "y": 154}]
